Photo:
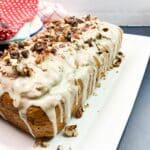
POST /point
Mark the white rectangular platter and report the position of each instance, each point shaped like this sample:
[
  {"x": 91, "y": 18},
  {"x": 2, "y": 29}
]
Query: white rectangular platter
[{"x": 104, "y": 120}]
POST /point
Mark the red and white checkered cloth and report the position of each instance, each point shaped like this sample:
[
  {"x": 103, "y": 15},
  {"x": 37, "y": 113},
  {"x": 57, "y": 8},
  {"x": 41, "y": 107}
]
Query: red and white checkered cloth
[{"x": 13, "y": 15}]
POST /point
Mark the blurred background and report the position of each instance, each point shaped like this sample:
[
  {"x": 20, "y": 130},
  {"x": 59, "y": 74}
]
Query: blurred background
[{"x": 121, "y": 12}]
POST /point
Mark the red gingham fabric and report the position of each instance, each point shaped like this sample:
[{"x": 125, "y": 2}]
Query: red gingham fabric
[{"x": 13, "y": 15}]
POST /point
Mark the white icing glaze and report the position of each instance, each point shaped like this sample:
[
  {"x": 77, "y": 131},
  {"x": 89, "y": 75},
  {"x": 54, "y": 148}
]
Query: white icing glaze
[{"x": 47, "y": 89}]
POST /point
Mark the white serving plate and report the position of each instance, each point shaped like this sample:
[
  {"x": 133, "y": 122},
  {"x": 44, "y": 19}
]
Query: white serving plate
[{"x": 104, "y": 120}]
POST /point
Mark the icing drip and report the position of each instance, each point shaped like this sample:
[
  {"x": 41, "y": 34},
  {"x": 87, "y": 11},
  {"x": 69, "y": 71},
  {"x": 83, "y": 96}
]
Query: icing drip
[
  {"x": 23, "y": 116},
  {"x": 61, "y": 112}
]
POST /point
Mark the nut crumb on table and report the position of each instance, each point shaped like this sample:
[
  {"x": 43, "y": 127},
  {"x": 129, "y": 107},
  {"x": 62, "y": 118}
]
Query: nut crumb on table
[{"x": 70, "y": 131}]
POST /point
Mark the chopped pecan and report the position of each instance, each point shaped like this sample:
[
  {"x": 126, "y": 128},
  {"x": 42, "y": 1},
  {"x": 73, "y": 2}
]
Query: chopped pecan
[
  {"x": 89, "y": 42},
  {"x": 39, "y": 59},
  {"x": 76, "y": 36},
  {"x": 20, "y": 44},
  {"x": 68, "y": 36},
  {"x": 38, "y": 47},
  {"x": 88, "y": 18},
  {"x": 120, "y": 54},
  {"x": 25, "y": 53},
  {"x": 99, "y": 53},
  {"x": 80, "y": 20},
  {"x": 26, "y": 43},
  {"x": 117, "y": 61},
  {"x": 61, "y": 38},
  {"x": 23, "y": 70},
  {"x": 14, "y": 54},
  {"x": 70, "y": 131},
  {"x": 53, "y": 50},
  {"x": 79, "y": 112},
  {"x": 98, "y": 36},
  {"x": 42, "y": 142},
  {"x": 105, "y": 29},
  {"x": 59, "y": 147},
  {"x": 71, "y": 21}
]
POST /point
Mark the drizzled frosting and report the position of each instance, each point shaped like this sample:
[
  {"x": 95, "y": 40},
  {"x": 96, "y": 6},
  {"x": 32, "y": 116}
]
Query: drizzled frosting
[{"x": 42, "y": 71}]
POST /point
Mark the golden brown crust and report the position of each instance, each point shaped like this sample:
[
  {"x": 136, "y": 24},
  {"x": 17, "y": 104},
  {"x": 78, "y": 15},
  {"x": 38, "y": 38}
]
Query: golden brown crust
[{"x": 40, "y": 124}]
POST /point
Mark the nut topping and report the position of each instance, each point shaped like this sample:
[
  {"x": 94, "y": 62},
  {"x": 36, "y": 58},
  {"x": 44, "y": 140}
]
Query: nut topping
[
  {"x": 72, "y": 21},
  {"x": 20, "y": 44},
  {"x": 79, "y": 112},
  {"x": 23, "y": 70},
  {"x": 89, "y": 42},
  {"x": 70, "y": 131},
  {"x": 38, "y": 47},
  {"x": 105, "y": 29},
  {"x": 88, "y": 18},
  {"x": 80, "y": 20},
  {"x": 25, "y": 53},
  {"x": 59, "y": 147},
  {"x": 53, "y": 51},
  {"x": 98, "y": 36},
  {"x": 14, "y": 54},
  {"x": 39, "y": 59},
  {"x": 68, "y": 36}
]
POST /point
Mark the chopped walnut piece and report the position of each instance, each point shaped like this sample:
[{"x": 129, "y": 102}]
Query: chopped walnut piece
[
  {"x": 59, "y": 147},
  {"x": 71, "y": 21},
  {"x": 70, "y": 131},
  {"x": 13, "y": 46},
  {"x": 6, "y": 59},
  {"x": 76, "y": 35},
  {"x": 20, "y": 44},
  {"x": 23, "y": 70},
  {"x": 99, "y": 53},
  {"x": 39, "y": 59},
  {"x": 117, "y": 62},
  {"x": 14, "y": 54},
  {"x": 105, "y": 29},
  {"x": 38, "y": 47},
  {"x": 98, "y": 36},
  {"x": 120, "y": 54},
  {"x": 25, "y": 53},
  {"x": 89, "y": 42},
  {"x": 41, "y": 142},
  {"x": 79, "y": 112},
  {"x": 53, "y": 50},
  {"x": 88, "y": 18},
  {"x": 68, "y": 36},
  {"x": 80, "y": 20}
]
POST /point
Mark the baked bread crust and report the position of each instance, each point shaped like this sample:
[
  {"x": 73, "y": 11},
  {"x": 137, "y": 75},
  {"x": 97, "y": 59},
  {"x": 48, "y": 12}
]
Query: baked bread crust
[{"x": 40, "y": 124}]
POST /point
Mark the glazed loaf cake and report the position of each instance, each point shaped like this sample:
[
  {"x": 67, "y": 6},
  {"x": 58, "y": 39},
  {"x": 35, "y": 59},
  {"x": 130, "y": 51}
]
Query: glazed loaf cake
[{"x": 45, "y": 80}]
